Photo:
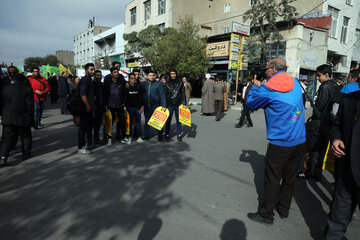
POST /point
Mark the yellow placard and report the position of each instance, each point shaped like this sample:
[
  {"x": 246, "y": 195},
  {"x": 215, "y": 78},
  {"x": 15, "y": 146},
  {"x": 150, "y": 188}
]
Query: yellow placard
[
  {"x": 107, "y": 119},
  {"x": 329, "y": 159},
  {"x": 158, "y": 119},
  {"x": 133, "y": 64},
  {"x": 184, "y": 115}
]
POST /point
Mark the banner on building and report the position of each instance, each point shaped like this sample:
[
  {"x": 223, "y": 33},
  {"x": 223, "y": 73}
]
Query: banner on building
[
  {"x": 234, "y": 55},
  {"x": 240, "y": 28}
]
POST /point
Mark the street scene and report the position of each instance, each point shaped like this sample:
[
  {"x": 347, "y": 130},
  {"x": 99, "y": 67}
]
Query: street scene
[
  {"x": 201, "y": 188},
  {"x": 180, "y": 119}
]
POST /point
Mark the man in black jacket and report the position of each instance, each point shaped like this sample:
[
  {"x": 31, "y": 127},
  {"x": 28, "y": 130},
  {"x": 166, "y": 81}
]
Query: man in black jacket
[
  {"x": 114, "y": 100},
  {"x": 18, "y": 117},
  {"x": 63, "y": 91},
  {"x": 98, "y": 113},
  {"x": 326, "y": 96},
  {"x": 135, "y": 105},
  {"x": 345, "y": 138},
  {"x": 175, "y": 96}
]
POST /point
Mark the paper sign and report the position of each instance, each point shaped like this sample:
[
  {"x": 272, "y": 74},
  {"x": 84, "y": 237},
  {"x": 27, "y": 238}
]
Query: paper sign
[
  {"x": 184, "y": 115},
  {"x": 158, "y": 119},
  {"x": 107, "y": 119}
]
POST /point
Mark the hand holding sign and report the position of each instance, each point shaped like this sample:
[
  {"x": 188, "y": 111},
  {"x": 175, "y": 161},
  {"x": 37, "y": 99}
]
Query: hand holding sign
[{"x": 184, "y": 115}]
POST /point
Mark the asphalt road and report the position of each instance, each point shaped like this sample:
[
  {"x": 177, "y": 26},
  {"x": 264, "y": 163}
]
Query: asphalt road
[{"x": 201, "y": 188}]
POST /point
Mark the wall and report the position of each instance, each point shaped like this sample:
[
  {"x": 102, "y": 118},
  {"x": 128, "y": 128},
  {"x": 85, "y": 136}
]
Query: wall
[
  {"x": 66, "y": 57},
  {"x": 109, "y": 48}
]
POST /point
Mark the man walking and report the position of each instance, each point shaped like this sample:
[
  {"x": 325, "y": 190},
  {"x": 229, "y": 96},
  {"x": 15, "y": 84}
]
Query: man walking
[
  {"x": 40, "y": 88},
  {"x": 188, "y": 90},
  {"x": 207, "y": 96},
  {"x": 281, "y": 99},
  {"x": 86, "y": 91},
  {"x": 247, "y": 85},
  {"x": 63, "y": 92},
  {"x": 18, "y": 117},
  {"x": 220, "y": 88},
  {"x": 175, "y": 96},
  {"x": 326, "y": 96},
  {"x": 345, "y": 138},
  {"x": 114, "y": 100},
  {"x": 154, "y": 96}
]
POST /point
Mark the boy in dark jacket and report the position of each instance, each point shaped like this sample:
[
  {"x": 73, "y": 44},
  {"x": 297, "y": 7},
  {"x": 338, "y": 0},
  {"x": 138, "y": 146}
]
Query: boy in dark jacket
[
  {"x": 154, "y": 96},
  {"x": 175, "y": 96},
  {"x": 135, "y": 105},
  {"x": 18, "y": 117}
]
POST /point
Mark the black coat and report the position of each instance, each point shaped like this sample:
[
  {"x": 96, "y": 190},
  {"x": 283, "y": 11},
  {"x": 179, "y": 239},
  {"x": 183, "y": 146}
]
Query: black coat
[
  {"x": 122, "y": 88},
  {"x": 175, "y": 92},
  {"x": 63, "y": 89},
  {"x": 344, "y": 130},
  {"x": 18, "y": 108}
]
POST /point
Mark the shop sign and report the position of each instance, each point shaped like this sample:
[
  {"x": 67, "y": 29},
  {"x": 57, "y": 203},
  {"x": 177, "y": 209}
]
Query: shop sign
[
  {"x": 240, "y": 28},
  {"x": 133, "y": 64},
  {"x": 218, "y": 49}
]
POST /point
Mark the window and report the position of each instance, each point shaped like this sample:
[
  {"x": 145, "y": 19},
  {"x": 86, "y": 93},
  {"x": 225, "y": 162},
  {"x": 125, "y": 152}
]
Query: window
[
  {"x": 227, "y": 7},
  {"x": 147, "y": 7},
  {"x": 133, "y": 16},
  {"x": 226, "y": 30},
  {"x": 349, "y": 2},
  {"x": 161, "y": 6},
  {"x": 357, "y": 38},
  {"x": 161, "y": 27},
  {"x": 277, "y": 50},
  {"x": 343, "y": 61},
  {"x": 253, "y": 2},
  {"x": 334, "y": 13},
  {"x": 344, "y": 29}
]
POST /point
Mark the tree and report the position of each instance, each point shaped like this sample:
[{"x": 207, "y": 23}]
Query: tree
[
  {"x": 50, "y": 59},
  {"x": 264, "y": 18},
  {"x": 30, "y": 62},
  {"x": 181, "y": 49}
]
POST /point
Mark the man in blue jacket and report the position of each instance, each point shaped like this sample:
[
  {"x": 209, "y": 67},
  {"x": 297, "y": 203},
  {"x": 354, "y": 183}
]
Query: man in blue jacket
[
  {"x": 154, "y": 96},
  {"x": 281, "y": 98}
]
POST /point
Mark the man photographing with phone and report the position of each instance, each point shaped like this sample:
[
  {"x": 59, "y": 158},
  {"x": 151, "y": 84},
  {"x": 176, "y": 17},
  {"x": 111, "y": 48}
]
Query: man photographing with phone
[{"x": 281, "y": 98}]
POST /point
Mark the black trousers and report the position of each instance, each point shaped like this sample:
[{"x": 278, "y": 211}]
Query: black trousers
[
  {"x": 346, "y": 198},
  {"x": 245, "y": 113},
  {"x": 121, "y": 124},
  {"x": 219, "y": 105},
  {"x": 281, "y": 166},
  {"x": 9, "y": 139},
  {"x": 85, "y": 123}
]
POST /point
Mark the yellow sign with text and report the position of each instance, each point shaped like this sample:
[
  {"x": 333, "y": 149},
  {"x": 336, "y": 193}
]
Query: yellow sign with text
[
  {"x": 158, "y": 119},
  {"x": 184, "y": 115}
]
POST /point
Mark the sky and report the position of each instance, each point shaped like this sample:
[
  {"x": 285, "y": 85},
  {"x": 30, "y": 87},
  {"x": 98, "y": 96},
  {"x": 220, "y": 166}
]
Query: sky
[{"x": 31, "y": 28}]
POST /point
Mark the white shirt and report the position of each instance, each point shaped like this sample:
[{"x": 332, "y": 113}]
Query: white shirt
[{"x": 244, "y": 90}]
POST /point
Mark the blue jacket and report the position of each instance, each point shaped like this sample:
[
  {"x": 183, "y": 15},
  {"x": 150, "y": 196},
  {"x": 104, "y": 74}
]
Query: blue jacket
[
  {"x": 153, "y": 94},
  {"x": 350, "y": 88},
  {"x": 281, "y": 98}
]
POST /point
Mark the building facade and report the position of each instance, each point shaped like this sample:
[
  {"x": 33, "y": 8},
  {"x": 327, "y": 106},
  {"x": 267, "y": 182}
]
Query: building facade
[
  {"x": 65, "y": 57},
  {"x": 83, "y": 43},
  {"x": 111, "y": 44}
]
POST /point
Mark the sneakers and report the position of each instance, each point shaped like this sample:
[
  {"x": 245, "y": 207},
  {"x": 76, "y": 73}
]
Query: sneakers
[
  {"x": 126, "y": 140},
  {"x": 140, "y": 140},
  {"x": 84, "y": 150},
  {"x": 256, "y": 217},
  {"x": 109, "y": 142},
  {"x": 3, "y": 162},
  {"x": 179, "y": 138}
]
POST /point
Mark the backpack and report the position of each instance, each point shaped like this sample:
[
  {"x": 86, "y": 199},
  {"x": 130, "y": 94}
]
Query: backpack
[{"x": 75, "y": 104}]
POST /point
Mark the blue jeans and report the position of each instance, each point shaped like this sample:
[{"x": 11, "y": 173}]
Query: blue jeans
[
  {"x": 95, "y": 125},
  {"x": 134, "y": 112},
  {"x": 148, "y": 113},
  {"x": 173, "y": 109},
  {"x": 38, "y": 109}
]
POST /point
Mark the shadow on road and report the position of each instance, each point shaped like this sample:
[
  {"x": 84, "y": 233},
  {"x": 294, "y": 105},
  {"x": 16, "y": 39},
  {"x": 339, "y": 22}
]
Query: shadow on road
[
  {"x": 257, "y": 162},
  {"x": 233, "y": 229},
  {"x": 82, "y": 197}
]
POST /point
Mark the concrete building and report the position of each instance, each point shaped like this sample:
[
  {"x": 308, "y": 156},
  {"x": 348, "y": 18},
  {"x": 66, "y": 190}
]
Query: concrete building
[
  {"x": 110, "y": 43},
  {"x": 65, "y": 57},
  {"x": 83, "y": 43}
]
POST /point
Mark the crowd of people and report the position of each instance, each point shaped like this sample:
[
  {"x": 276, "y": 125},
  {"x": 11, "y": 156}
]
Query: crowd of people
[{"x": 335, "y": 119}]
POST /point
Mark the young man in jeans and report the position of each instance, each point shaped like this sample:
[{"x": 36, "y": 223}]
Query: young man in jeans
[
  {"x": 135, "y": 105},
  {"x": 175, "y": 96},
  {"x": 86, "y": 90},
  {"x": 153, "y": 97}
]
